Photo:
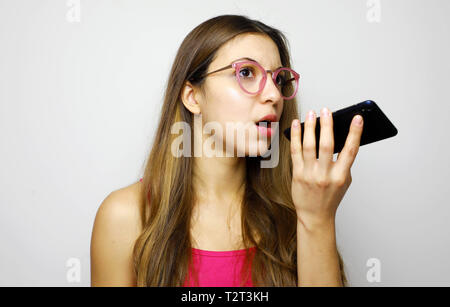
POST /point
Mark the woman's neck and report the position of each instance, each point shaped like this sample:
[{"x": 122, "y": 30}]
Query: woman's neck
[{"x": 219, "y": 179}]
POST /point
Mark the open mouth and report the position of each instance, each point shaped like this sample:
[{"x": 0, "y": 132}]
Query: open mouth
[{"x": 264, "y": 127}]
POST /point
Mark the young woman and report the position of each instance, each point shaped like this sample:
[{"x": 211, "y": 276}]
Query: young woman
[{"x": 224, "y": 220}]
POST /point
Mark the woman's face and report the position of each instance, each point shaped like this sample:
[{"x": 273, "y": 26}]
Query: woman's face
[{"x": 224, "y": 102}]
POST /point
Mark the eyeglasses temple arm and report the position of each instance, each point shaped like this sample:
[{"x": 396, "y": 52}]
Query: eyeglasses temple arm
[{"x": 220, "y": 69}]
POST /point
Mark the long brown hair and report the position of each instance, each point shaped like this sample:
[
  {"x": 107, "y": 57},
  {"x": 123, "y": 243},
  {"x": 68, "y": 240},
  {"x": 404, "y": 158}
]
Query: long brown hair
[{"x": 162, "y": 253}]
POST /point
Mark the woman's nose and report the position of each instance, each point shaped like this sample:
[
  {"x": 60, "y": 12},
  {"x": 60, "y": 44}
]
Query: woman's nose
[{"x": 270, "y": 89}]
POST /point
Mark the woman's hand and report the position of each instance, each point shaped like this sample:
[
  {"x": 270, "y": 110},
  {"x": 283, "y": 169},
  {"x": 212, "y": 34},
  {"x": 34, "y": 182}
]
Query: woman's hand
[{"x": 318, "y": 185}]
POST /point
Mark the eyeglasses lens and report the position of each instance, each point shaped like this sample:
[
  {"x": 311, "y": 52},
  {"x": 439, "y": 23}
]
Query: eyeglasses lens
[{"x": 251, "y": 75}]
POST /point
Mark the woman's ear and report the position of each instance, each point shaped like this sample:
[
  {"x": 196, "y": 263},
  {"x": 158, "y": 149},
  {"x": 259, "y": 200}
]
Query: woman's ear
[{"x": 188, "y": 98}]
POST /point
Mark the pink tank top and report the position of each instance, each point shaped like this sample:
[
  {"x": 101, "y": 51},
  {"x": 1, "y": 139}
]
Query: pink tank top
[{"x": 219, "y": 268}]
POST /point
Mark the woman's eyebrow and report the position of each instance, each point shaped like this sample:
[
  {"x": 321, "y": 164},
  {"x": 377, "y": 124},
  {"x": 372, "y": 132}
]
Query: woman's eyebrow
[
  {"x": 245, "y": 58},
  {"x": 250, "y": 59}
]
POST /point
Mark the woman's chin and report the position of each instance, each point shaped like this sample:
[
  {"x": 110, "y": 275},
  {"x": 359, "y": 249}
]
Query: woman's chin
[{"x": 258, "y": 149}]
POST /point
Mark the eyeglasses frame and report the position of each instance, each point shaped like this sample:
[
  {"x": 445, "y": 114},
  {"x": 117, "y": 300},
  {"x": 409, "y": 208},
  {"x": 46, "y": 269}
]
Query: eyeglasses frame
[{"x": 238, "y": 64}]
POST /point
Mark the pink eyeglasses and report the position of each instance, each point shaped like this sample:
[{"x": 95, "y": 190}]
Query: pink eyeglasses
[{"x": 252, "y": 78}]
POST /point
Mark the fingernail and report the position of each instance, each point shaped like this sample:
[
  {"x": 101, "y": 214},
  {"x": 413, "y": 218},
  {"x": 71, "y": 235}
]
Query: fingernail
[
  {"x": 296, "y": 123},
  {"x": 325, "y": 112},
  {"x": 358, "y": 120},
  {"x": 311, "y": 115}
]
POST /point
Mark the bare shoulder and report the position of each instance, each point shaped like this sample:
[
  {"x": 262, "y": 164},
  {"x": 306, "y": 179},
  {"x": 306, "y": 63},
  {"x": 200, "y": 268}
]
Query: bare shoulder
[
  {"x": 120, "y": 210},
  {"x": 123, "y": 204},
  {"x": 116, "y": 228}
]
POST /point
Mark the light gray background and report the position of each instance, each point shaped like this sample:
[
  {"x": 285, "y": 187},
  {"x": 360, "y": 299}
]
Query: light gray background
[{"x": 80, "y": 103}]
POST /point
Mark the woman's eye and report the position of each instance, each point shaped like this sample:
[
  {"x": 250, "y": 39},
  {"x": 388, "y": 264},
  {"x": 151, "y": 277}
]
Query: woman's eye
[
  {"x": 245, "y": 72},
  {"x": 280, "y": 80}
]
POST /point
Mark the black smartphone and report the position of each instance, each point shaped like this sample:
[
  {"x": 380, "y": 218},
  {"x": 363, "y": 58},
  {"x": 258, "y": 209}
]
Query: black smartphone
[{"x": 376, "y": 125}]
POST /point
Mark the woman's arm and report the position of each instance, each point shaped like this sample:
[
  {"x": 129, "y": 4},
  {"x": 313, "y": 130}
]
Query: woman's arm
[
  {"x": 318, "y": 186},
  {"x": 317, "y": 257},
  {"x": 115, "y": 230}
]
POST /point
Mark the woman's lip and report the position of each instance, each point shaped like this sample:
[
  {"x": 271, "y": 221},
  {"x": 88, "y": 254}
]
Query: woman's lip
[
  {"x": 269, "y": 117},
  {"x": 265, "y": 131}
]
